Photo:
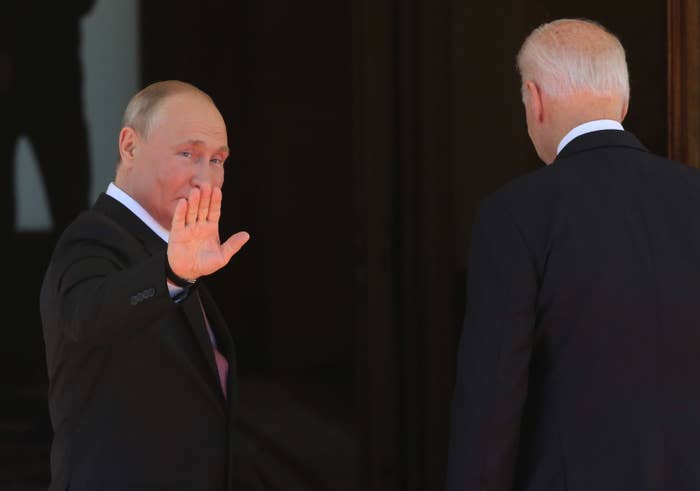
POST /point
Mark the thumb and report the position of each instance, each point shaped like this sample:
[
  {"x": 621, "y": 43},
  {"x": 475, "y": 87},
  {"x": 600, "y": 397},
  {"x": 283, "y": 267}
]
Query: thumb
[{"x": 234, "y": 244}]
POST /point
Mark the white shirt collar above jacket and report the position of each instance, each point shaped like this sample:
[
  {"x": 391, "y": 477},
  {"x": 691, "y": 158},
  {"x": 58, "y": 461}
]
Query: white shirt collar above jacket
[
  {"x": 138, "y": 210},
  {"x": 582, "y": 129}
]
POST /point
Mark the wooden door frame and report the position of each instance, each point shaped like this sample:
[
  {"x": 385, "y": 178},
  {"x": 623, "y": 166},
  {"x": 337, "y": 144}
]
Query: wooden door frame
[{"x": 684, "y": 81}]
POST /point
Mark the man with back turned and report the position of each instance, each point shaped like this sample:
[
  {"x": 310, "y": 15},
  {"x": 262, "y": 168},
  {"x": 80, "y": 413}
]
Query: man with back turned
[
  {"x": 141, "y": 363},
  {"x": 578, "y": 363}
]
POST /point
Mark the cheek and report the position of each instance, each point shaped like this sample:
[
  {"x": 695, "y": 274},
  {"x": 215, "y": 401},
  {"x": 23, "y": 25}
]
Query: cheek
[
  {"x": 218, "y": 177},
  {"x": 175, "y": 177}
]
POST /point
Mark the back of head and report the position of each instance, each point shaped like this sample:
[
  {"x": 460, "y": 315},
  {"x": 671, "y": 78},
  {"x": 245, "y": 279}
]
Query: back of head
[{"x": 567, "y": 56}]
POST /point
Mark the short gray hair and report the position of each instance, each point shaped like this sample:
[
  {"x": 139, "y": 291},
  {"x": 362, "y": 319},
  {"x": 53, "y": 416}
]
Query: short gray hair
[
  {"x": 142, "y": 108},
  {"x": 570, "y": 55}
]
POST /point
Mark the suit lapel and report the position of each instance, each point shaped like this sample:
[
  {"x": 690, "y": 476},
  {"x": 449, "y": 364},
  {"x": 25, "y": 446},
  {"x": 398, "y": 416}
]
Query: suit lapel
[{"x": 132, "y": 224}]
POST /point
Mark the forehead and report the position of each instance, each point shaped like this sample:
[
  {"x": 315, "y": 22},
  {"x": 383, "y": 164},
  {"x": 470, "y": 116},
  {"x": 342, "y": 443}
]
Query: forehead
[{"x": 189, "y": 117}]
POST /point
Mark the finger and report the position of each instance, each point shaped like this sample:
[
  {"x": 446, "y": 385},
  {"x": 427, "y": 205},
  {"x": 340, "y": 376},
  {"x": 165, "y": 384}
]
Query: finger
[
  {"x": 234, "y": 244},
  {"x": 215, "y": 205},
  {"x": 178, "y": 222},
  {"x": 205, "y": 196},
  {"x": 192, "y": 207}
]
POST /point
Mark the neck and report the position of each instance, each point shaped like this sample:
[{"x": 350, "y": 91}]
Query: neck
[{"x": 567, "y": 113}]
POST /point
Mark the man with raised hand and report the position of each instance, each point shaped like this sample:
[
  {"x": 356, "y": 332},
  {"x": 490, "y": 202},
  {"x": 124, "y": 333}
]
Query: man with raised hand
[{"x": 141, "y": 363}]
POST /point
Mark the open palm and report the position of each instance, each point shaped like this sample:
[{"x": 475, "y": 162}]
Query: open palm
[{"x": 194, "y": 248}]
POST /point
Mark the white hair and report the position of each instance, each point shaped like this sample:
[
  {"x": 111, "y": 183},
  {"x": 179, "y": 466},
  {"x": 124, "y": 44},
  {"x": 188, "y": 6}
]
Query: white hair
[{"x": 570, "y": 55}]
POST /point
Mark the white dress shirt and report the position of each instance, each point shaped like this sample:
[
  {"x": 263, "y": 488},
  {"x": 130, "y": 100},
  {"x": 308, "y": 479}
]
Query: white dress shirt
[
  {"x": 138, "y": 210},
  {"x": 582, "y": 129}
]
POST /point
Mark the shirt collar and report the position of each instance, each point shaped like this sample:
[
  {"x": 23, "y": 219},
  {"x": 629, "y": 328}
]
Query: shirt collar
[
  {"x": 582, "y": 129},
  {"x": 138, "y": 210}
]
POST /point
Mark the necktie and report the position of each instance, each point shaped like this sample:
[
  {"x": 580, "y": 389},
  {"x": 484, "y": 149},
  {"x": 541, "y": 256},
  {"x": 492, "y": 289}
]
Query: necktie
[{"x": 221, "y": 361}]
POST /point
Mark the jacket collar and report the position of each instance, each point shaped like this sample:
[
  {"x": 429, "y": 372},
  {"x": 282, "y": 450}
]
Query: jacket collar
[
  {"x": 113, "y": 209},
  {"x": 598, "y": 139}
]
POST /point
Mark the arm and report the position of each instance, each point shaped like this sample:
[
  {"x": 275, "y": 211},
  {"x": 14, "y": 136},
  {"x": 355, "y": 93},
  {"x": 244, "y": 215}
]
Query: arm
[
  {"x": 494, "y": 355},
  {"x": 93, "y": 292},
  {"x": 94, "y": 297}
]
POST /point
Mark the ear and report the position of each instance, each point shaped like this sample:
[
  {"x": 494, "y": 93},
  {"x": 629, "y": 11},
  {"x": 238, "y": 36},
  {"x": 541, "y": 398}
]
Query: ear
[
  {"x": 534, "y": 95},
  {"x": 128, "y": 141}
]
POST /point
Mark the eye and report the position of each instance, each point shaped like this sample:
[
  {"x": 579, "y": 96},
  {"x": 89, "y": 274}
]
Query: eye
[
  {"x": 185, "y": 154},
  {"x": 217, "y": 161}
]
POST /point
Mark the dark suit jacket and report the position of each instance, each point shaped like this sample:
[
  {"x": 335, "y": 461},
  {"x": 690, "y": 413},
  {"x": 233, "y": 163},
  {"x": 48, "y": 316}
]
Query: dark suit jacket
[
  {"x": 134, "y": 396},
  {"x": 579, "y": 362}
]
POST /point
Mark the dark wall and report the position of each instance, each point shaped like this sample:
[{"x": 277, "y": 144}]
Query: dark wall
[{"x": 302, "y": 143}]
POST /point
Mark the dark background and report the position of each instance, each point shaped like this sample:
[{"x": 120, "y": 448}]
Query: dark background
[{"x": 363, "y": 133}]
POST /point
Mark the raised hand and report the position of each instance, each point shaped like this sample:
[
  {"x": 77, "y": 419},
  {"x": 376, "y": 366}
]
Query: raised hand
[{"x": 194, "y": 248}]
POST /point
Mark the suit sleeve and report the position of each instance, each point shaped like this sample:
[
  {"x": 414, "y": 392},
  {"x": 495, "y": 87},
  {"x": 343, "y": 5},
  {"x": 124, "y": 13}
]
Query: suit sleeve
[
  {"x": 494, "y": 355},
  {"x": 94, "y": 298}
]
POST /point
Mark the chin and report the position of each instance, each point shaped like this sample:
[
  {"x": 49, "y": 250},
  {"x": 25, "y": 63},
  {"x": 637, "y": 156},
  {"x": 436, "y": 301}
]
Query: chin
[{"x": 166, "y": 222}]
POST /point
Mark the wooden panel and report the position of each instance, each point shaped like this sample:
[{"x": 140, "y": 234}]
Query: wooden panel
[{"x": 684, "y": 81}]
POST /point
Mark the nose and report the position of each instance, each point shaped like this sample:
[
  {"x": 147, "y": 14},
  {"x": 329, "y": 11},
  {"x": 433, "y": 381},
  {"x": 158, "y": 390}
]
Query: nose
[{"x": 203, "y": 177}]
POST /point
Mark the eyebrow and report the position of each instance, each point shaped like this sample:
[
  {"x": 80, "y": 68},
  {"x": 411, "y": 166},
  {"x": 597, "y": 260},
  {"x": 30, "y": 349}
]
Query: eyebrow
[{"x": 197, "y": 143}]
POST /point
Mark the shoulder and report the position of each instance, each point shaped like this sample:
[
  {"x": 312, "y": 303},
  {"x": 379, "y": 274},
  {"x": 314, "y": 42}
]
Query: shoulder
[
  {"x": 523, "y": 210},
  {"x": 521, "y": 192},
  {"x": 665, "y": 167},
  {"x": 93, "y": 232}
]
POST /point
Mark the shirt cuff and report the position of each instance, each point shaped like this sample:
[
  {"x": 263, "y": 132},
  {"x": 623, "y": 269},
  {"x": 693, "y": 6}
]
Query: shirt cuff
[{"x": 176, "y": 292}]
